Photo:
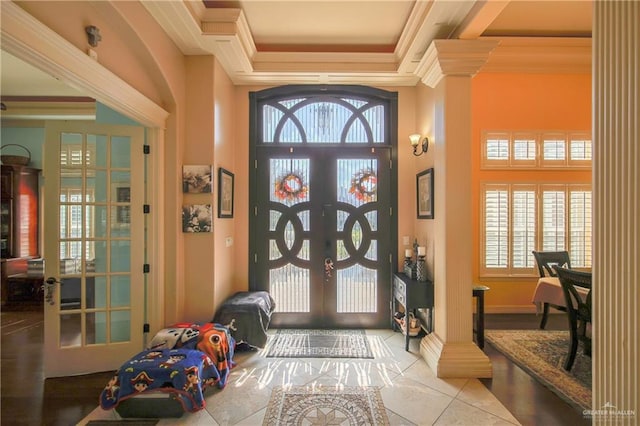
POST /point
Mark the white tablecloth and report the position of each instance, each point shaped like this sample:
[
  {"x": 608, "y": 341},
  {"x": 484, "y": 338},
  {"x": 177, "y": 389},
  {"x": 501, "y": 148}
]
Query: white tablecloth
[{"x": 549, "y": 290}]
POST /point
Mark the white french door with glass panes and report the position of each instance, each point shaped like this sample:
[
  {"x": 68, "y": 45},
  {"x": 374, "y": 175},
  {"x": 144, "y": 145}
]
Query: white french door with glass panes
[{"x": 93, "y": 246}]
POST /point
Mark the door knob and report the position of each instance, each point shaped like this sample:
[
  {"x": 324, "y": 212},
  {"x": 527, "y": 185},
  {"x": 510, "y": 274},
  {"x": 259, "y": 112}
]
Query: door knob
[{"x": 49, "y": 287}]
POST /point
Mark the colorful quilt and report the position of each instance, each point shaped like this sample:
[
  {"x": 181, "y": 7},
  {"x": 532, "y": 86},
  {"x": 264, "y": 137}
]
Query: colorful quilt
[{"x": 192, "y": 358}]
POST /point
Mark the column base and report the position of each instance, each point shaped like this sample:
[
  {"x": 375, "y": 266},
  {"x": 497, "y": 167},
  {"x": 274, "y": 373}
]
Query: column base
[{"x": 459, "y": 359}]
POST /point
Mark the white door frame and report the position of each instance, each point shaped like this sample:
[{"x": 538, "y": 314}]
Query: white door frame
[{"x": 28, "y": 39}]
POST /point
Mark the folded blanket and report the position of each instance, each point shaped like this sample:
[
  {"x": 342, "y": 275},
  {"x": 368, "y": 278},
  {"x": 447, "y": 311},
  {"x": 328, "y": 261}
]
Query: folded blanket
[{"x": 185, "y": 373}]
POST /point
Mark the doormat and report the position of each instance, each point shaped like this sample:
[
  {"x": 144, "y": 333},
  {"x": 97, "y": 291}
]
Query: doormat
[
  {"x": 300, "y": 405},
  {"x": 291, "y": 343},
  {"x": 542, "y": 353}
]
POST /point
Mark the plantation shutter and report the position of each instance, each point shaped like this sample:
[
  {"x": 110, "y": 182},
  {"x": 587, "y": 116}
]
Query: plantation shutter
[
  {"x": 496, "y": 227},
  {"x": 580, "y": 228},
  {"x": 524, "y": 227},
  {"x": 553, "y": 220}
]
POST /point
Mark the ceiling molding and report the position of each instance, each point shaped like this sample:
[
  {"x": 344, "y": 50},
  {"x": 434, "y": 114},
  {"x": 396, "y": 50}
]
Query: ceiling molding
[
  {"x": 480, "y": 17},
  {"x": 28, "y": 39},
  {"x": 225, "y": 33},
  {"x": 47, "y": 110},
  {"x": 571, "y": 55},
  {"x": 454, "y": 57}
]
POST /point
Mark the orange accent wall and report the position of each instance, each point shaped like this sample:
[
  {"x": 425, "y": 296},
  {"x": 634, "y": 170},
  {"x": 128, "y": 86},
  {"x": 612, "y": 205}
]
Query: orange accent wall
[{"x": 526, "y": 102}]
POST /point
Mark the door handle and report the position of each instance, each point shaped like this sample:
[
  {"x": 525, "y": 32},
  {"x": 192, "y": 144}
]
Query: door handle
[
  {"x": 49, "y": 287},
  {"x": 328, "y": 267}
]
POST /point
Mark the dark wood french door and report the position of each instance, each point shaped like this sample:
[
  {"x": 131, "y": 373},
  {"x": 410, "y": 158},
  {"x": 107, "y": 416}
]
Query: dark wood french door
[
  {"x": 322, "y": 241},
  {"x": 322, "y": 234}
]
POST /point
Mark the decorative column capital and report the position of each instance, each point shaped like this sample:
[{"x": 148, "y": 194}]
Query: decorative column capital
[{"x": 453, "y": 57}]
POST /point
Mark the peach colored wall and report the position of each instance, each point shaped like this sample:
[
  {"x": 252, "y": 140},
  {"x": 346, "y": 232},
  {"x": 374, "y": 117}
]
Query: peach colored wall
[
  {"x": 121, "y": 50},
  {"x": 523, "y": 102},
  {"x": 225, "y": 148},
  {"x": 424, "y": 229},
  {"x": 199, "y": 248}
]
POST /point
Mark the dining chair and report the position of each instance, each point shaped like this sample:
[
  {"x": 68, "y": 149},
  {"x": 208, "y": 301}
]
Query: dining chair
[
  {"x": 546, "y": 260},
  {"x": 578, "y": 310}
]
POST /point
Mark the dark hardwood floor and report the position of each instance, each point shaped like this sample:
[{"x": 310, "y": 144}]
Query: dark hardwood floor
[{"x": 28, "y": 399}]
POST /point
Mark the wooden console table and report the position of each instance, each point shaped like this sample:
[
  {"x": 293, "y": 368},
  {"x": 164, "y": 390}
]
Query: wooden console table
[{"x": 411, "y": 294}]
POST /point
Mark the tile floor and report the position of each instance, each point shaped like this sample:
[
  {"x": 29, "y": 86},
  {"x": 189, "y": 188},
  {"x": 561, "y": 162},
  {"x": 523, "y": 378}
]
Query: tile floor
[{"x": 411, "y": 393}]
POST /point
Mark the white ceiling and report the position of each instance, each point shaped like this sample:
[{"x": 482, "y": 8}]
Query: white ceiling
[{"x": 329, "y": 41}]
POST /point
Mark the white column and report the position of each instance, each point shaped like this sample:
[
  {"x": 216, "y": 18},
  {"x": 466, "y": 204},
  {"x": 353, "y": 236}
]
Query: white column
[
  {"x": 448, "y": 68},
  {"x": 616, "y": 211}
]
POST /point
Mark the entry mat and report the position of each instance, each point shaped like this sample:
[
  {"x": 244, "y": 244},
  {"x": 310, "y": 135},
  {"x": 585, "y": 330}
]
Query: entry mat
[{"x": 305, "y": 343}]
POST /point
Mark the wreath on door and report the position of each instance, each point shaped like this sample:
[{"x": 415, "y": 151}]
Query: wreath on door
[
  {"x": 364, "y": 185},
  {"x": 290, "y": 187}
]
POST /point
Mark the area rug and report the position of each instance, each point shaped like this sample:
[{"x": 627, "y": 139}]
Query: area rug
[
  {"x": 291, "y": 343},
  {"x": 542, "y": 353},
  {"x": 300, "y": 405}
]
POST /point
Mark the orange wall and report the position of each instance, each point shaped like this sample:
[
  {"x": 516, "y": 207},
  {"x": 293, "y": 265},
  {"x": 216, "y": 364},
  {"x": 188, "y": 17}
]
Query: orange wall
[{"x": 523, "y": 102}]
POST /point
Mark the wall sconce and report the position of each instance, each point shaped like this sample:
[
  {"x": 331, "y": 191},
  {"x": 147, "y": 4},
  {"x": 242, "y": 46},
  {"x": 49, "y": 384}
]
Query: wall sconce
[{"x": 415, "y": 142}]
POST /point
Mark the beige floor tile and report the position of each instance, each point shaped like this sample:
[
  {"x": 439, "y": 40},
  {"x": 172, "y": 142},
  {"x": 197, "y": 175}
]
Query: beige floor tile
[
  {"x": 198, "y": 418},
  {"x": 461, "y": 413},
  {"x": 415, "y": 402},
  {"x": 421, "y": 372},
  {"x": 238, "y": 400}
]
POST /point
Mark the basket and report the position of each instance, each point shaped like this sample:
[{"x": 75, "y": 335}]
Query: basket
[{"x": 15, "y": 160}]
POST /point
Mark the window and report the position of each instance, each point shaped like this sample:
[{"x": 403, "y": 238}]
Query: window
[
  {"x": 520, "y": 218},
  {"x": 536, "y": 150}
]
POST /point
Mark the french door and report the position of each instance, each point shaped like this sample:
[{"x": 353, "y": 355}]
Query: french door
[
  {"x": 94, "y": 246},
  {"x": 322, "y": 234}
]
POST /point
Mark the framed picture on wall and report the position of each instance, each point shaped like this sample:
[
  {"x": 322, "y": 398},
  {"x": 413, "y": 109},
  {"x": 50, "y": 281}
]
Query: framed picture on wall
[
  {"x": 225, "y": 193},
  {"x": 424, "y": 185},
  {"x": 197, "y": 179},
  {"x": 196, "y": 218}
]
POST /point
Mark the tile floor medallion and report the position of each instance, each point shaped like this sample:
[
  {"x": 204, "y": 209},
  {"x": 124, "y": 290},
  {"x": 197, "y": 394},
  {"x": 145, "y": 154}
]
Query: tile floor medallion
[{"x": 308, "y": 405}]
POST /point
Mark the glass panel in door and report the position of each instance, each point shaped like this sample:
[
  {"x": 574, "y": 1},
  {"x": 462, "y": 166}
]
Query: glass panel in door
[{"x": 94, "y": 314}]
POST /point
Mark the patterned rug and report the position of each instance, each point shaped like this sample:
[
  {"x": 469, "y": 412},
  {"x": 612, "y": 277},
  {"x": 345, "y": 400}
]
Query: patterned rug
[
  {"x": 319, "y": 344},
  {"x": 542, "y": 353},
  {"x": 299, "y": 405}
]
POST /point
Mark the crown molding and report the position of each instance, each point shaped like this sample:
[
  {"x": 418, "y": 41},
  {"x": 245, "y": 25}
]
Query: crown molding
[
  {"x": 423, "y": 51},
  {"x": 453, "y": 57},
  {"x": 28, "y": 39},
  {"x": 540, "y": 55},
  {"x": 47, "y": 110}
]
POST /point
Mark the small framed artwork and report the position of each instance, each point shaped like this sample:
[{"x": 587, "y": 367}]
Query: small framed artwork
[
  {"x": 225, "y": 193},
  {"x": 197, "y": 179},
  {"x": 196, "y": 218},
  {"x": 424, "y": 184}
]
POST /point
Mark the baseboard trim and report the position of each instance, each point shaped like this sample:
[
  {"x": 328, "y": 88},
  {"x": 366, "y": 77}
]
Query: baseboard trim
[{"x": 455, "y": 360}]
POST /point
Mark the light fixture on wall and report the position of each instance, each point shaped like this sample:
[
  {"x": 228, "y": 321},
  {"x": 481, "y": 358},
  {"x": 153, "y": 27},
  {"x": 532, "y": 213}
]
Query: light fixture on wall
[{"x": 419, "y": 148}]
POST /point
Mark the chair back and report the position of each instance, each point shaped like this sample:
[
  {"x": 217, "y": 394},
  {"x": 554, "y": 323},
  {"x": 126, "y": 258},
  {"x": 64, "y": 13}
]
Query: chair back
[
  {"x": 546, "y": 260},
  {"x": 569, "y": 279}
]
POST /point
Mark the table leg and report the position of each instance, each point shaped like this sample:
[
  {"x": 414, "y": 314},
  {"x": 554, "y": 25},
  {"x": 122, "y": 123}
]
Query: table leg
[{"x": 480, "y": 313}]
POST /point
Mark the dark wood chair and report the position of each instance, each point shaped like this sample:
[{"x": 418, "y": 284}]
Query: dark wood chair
[
  {"x": 546, "y": 260},
  {"x": 578, "y": 310}
]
